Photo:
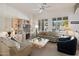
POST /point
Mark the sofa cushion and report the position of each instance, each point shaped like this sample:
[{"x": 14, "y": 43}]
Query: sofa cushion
[
  {"x": 7, "y": 41},
  {"x": 52, "y": 36},
  {"x": 43, "y": 33},
  {"x": 3, "y": 34}
]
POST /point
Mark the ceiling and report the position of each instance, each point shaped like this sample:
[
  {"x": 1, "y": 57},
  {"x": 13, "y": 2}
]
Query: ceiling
[{"x": 55, "y": 9}]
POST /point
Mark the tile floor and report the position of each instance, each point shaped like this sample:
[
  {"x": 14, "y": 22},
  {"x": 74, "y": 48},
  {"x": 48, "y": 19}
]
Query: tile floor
[{"x": 49, "y": 50}]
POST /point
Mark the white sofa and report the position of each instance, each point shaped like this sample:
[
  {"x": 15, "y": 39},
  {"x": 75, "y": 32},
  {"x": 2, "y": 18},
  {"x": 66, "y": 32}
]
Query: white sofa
[
  {"x": 10, "y": 47},
  {"x": 5, "y": 45},
  {"x": 4, "y": 50}
]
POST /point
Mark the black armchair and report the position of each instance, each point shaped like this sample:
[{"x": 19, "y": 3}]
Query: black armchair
[{"x": 67, "y": 46}]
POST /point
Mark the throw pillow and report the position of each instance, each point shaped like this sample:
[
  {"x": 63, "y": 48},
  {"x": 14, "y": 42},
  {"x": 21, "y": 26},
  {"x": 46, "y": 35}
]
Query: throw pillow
[{"x": 72, "y": 38}]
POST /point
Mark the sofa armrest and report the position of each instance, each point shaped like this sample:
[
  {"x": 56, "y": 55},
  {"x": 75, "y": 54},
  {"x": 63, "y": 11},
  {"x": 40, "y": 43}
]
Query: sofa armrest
[{"x": 21, "y": 52}]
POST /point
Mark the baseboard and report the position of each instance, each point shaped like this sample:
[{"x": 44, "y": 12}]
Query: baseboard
[{"x": 52, "y": 42}]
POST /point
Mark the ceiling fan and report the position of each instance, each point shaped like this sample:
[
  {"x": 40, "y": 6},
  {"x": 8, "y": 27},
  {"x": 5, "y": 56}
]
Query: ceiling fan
[{"x": 42, "y": 7}]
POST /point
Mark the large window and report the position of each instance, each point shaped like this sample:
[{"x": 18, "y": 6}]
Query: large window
[{"x": 53, "y": 24}]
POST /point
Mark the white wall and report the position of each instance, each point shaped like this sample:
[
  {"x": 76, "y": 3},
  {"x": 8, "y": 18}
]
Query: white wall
[
  {"x": 7, "y": 13},
  {"x": 74, "y": 17},
  {"x": 75, "y": 27}
]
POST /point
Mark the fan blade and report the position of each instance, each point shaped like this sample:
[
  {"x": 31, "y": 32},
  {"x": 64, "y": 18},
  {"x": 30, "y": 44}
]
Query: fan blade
[
  {"x": 48, "y": 6},
  {"x": 41, "y": 11}
]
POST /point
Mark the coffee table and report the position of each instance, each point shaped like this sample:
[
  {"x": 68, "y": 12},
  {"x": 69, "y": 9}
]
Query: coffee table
[{"x": 39, "y": 42}]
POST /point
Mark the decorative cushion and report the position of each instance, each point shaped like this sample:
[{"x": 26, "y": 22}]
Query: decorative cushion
[
  {"x": 72, "y": 38},
  {"x": 3, "y": 34},
  {"x": 43, "y": 33}
]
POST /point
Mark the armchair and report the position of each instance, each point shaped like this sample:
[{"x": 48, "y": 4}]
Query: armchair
[{"x": 66, "y": 45}]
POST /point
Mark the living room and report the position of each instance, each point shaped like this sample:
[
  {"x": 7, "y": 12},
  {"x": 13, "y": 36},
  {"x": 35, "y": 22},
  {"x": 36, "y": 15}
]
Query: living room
[{"x": 39, "y": 29}]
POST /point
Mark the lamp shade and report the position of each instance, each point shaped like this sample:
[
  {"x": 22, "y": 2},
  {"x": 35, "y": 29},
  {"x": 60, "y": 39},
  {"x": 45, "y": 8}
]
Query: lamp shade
[{"x": 36, "y": 26}]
